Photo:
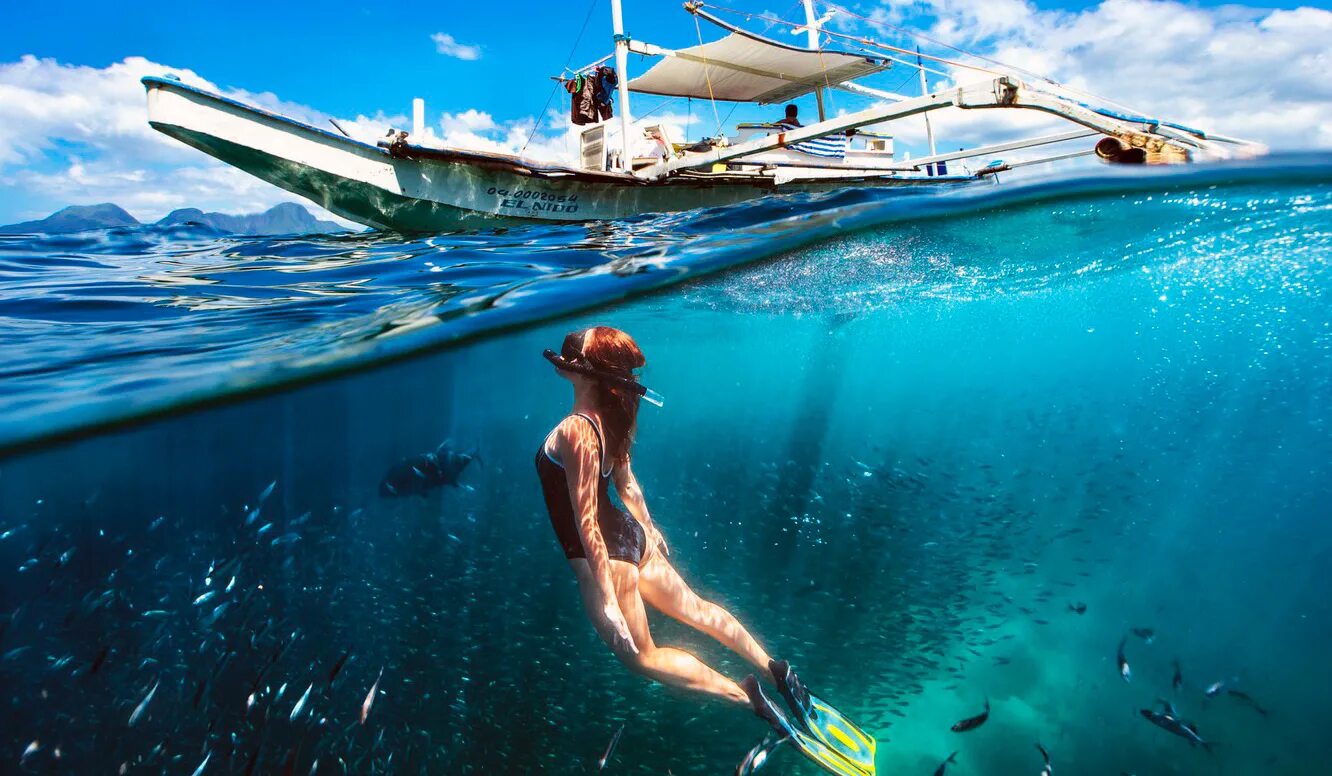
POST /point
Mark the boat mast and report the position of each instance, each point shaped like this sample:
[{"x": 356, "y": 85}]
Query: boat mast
[
  {"x": 621, "y": 70},
  {"x": 924, "y": 90},
  {"x": 812, "y": 29}
]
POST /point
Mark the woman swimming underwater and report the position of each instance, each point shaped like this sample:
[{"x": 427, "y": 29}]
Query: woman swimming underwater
[{"x": 621, "y": 559}]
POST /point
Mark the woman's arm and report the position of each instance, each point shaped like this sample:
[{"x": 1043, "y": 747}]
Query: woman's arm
[
  {"x": 626, "y": 484},
  {"x": 577, "y": 445}
]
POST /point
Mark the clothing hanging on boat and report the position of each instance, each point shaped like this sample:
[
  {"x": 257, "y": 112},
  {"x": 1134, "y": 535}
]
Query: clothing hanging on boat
[
  {"x": 583, "y": 110},
  {"x": 606, "y": 81},
  {"x": 591, "y": 95}
]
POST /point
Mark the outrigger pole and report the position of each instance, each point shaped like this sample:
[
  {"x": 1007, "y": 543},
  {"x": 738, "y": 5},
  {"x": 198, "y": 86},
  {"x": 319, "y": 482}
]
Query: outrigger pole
[
  {"x": 1002, "y": 92},
  {"x": 622, "y": 72}
]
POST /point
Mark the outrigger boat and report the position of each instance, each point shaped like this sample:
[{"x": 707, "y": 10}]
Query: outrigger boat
[{"x": 405, "y": 184}]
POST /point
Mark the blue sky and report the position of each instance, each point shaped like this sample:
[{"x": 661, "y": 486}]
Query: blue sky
[{"x": 350, "y": 59}]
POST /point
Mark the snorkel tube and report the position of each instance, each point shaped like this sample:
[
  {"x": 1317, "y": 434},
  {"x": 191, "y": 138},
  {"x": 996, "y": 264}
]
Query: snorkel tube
[{"x": 587, "y": 370}]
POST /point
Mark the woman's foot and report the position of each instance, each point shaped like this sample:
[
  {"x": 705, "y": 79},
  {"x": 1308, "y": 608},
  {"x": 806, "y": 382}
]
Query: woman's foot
[
  {"x": 791, "y": 688},
  {"x": 762, "y": 707}
]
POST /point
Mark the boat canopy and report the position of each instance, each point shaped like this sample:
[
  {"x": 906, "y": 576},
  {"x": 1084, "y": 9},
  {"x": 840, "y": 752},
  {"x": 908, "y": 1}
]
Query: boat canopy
[{"x": 744, "y": 67}]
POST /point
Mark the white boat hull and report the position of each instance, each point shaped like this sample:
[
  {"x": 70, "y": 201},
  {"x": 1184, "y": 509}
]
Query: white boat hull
[{"x": 458, "y": 190}]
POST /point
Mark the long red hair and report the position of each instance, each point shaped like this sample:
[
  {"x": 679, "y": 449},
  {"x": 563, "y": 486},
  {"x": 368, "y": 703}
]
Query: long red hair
[{"x": 610, "y": 350}]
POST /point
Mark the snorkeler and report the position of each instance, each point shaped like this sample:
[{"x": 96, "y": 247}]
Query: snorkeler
[{"x": 620, "y": 558}]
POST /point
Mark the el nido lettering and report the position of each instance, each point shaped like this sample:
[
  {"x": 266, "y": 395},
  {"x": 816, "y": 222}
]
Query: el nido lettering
[{"x": 535, "y": 201}]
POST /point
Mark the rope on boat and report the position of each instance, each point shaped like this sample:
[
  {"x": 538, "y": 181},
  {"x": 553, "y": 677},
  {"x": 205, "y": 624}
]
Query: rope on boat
[
  {"x": 707, "y": 76},
  {"x": 536, "y": 124}
]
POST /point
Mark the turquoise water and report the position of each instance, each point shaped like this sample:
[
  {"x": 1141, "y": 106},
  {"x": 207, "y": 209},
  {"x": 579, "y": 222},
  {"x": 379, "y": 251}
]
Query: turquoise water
[{"x": 899, "y": 446}]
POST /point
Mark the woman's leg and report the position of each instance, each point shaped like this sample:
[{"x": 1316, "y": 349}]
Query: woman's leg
[
  {"x": 664, "y": 590},
  {"x": 667, "y": 665}
]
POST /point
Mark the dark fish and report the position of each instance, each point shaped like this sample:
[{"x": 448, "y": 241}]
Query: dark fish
[
  {"x": 1169, "y": 721},
  {"x": 1247, "y": 700},
  {"x": 944, "y": 765},
  {"x": 1146, "y": 634},
  {"x": 338, "y": 666},
  {"x": 971, "y": 723},
  {"x": 812, "y": 586},
  {"x": 1048, "y": 770},
  {"x": 101, "y": 658},
  {"x": 1079, "y": 607},
  {"x": 1178, "y": 680},
  {"x": 421, "y": 474},
  {"x": 1124, "y": 670}
]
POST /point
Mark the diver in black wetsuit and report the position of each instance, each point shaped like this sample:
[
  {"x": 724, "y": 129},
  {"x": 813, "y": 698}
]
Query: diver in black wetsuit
[{"x": 619, "y": 556}]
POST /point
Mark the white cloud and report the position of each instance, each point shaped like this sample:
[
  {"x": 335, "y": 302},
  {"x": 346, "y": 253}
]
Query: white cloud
[
  {"x": 1248, "y": 72},
  {"x": 470, "y": 120},
  {"x": 79, "y": 135},
  {"x": 44, "y": 102},
  {"x": 446, "y": 45}
]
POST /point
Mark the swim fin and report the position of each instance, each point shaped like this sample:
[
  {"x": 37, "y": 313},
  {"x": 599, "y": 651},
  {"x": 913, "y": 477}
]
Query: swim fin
[
  {"x": 829, "y": 759},
  {"x": 825, "y": 723}
]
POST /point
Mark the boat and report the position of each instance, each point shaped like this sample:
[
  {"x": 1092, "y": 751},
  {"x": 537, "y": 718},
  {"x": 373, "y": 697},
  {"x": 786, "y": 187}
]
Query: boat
[{"x": 403, "y": 183}]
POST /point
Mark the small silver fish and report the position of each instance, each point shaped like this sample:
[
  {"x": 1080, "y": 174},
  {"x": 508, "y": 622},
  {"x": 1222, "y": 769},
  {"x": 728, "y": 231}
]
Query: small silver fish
[
  {"x": 143, "y": 704},
  {"x": 615, "y": 739},
  {"x": 267, "y": 491},
  {"x": 198, "y": 771},
  {"x": 205, "y": 598},
  {"x": 370, "y": 697},
  {"x": 300, "y": 704},
  {"x": 758, "y": 756}
]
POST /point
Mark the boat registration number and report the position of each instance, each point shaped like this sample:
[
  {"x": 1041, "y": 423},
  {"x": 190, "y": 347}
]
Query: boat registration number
[{"x": 535, "y": 200}]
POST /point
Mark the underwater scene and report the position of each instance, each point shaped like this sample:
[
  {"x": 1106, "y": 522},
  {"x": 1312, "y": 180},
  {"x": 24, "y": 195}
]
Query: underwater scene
[{"x": 1050, "y": 458}]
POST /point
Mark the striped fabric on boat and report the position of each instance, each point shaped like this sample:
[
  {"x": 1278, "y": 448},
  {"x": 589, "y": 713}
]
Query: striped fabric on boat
[{"x": 830, "y": 147}]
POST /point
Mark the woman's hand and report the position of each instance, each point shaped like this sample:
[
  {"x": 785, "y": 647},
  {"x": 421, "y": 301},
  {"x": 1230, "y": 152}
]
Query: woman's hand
[{"x": 616, "y": 619}]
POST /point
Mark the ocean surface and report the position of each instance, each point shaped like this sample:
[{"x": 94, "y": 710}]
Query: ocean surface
[{"x": 936, "y": 449}]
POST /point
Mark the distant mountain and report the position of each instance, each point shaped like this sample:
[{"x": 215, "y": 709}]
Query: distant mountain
[
  {"x": 75, "y": 218},
  {"x": 287, "y": 218}
]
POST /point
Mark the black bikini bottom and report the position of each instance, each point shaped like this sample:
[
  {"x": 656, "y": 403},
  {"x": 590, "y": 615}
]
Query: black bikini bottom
[{"x": 623, "y": 535}]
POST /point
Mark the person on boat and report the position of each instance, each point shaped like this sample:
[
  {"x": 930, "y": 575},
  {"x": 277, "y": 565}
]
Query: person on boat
[
  {"x": 657, "y": 147},
  {"x": 791, "y": 121},
  {"x": 619, "y": 556}
]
